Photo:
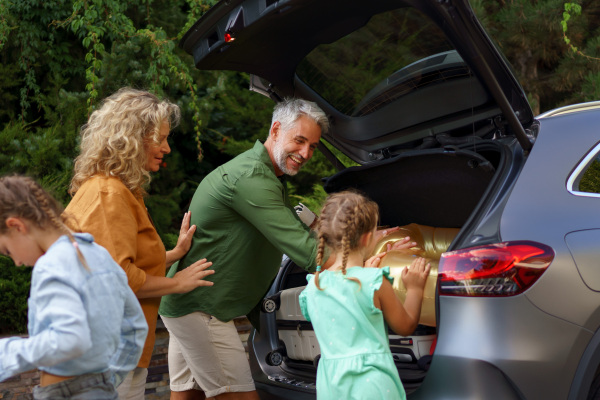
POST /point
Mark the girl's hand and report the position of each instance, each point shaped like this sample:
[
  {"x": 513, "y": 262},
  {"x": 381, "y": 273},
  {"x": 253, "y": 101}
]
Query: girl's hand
[
  {"x": 380, "y": 234},
  {"x": 192, "y": 277},
  {"x": 404, "y": 244},
  {"x": 186, "y": 233},
  {"x": 415, "y": 275},
  {"x": 374, "y": 261}
]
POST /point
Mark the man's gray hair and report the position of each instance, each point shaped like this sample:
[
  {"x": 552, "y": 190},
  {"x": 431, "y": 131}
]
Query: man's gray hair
[{"x": 289, "y": 110}]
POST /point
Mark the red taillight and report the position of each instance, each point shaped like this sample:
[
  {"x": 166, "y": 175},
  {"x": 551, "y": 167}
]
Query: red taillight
[
  {"x": 501, "y": 269},
  {"x": 228, "y": 37}
]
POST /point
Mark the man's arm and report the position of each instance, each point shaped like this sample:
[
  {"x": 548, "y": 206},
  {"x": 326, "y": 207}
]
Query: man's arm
[{"x": 260, "y": 200}]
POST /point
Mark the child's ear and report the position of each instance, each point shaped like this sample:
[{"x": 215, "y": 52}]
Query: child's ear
[
  {"x": 366, "y": 238},
  {"x": 17, "y": 224}
]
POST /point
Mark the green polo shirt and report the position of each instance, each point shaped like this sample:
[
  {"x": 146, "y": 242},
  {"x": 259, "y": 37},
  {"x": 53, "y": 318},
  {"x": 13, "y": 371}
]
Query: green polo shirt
[{"x": 244, "y": 226}]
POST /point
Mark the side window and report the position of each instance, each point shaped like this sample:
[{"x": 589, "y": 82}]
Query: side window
[{"x": 585, "y": 180}]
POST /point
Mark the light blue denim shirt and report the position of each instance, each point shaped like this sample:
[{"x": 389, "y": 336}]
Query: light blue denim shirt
[{"x": 79, "y": 321}]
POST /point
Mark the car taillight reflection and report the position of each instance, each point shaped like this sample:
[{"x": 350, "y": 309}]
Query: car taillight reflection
[{"x": 501, "y": 269}]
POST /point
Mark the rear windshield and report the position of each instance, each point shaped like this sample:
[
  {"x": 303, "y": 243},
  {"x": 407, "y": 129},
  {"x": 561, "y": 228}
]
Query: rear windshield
[{"x": 395, "y": 53}]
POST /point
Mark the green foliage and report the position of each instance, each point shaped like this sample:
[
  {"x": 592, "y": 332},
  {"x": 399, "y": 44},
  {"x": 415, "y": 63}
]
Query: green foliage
[
  {"x": 314, "y": 200},
  {"x": 43, "y": 153},
  {"x": 590, "y": 181},
  {"x": 576, "y": 10},
  {"x": 4, "y": 27},
  {"x": 590, "y": 87},
  {"x": 14, "y": 286},
  {"x": 539, "y": 39}
]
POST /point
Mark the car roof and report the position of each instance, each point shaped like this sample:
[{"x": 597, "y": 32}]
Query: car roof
[{"x": 271, "y": 38}]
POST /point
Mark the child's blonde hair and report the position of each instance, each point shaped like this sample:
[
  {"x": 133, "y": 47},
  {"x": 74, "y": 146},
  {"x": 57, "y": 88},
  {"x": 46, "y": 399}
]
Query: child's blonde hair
[
  {"x": 22, "y": 197},
  {"x": 344, "y": 218},
  {"x": 112, "y": 141}
]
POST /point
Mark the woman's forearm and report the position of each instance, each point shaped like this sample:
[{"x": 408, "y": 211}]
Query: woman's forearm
[{"x": 157, "y": 286}]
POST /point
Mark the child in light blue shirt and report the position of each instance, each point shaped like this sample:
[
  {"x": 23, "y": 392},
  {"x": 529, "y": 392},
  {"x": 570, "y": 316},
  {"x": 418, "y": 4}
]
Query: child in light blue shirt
[{"x": 86, "y": 327}]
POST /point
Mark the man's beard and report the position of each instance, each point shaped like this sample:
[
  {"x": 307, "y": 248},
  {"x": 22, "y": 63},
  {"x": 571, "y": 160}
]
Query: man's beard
[{"x": 281, "y": 157}]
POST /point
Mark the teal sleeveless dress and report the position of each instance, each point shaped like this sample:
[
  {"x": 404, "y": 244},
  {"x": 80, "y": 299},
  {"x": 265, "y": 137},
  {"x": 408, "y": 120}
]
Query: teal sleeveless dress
[{"x": 356, "y": 362}]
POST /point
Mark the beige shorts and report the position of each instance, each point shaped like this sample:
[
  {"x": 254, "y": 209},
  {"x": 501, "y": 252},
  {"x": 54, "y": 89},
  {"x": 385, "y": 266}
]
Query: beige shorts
[{"x": 206, "y": 354}]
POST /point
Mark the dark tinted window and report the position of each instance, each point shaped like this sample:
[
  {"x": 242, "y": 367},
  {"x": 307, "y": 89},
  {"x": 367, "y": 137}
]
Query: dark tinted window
[{"x": 395, "y": 53}]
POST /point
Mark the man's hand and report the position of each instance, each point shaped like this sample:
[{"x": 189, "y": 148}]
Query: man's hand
[{"x": 307, "y": 216}]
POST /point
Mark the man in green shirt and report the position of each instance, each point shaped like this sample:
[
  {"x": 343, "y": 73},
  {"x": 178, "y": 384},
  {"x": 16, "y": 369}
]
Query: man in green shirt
[{"x": 244, "y": 226}]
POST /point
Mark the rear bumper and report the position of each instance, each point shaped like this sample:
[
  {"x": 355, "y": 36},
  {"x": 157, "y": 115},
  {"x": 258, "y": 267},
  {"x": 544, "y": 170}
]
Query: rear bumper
[
  {"x": 461, "y": 378},
  {"x": 276, "y": 392},
  {"x": 454, "y": 379}
]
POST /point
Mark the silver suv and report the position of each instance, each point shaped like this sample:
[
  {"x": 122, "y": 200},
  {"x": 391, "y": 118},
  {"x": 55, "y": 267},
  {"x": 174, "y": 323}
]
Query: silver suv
[{"x": 425, "y": 104}]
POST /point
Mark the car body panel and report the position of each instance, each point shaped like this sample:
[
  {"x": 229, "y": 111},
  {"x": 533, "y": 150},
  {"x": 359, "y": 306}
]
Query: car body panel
[
  {"x": 544, "y": 182},
  {"x": 531, "y": 346},
  {"x": 582, "y": 245}
]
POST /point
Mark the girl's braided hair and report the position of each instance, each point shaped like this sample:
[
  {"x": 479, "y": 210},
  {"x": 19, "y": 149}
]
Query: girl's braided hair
[
  {"x": 23, "y": 197},
  {"x": 344, "y": 218}
]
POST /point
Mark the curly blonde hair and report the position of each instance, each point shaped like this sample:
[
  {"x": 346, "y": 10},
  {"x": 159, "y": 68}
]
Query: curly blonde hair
[{"x": 112, "y": 141}]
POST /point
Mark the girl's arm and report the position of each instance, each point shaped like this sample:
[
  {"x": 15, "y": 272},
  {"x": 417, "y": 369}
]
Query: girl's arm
[
  {"x": 403, "y": 319},
  {"x": 58, "y": 308}
]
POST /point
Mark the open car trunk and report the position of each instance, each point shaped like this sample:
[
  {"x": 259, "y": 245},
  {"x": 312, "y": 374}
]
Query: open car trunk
[{"x": 434, "y": 188}]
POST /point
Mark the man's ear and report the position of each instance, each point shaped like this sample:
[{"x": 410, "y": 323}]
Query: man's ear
[
  {"x": 275, "y": 128},
  {"x": 17, "y": 224}
]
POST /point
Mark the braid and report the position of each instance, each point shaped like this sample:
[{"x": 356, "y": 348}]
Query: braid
[
  {"x": 42, "y": 198},
  {"x": 320, "y": 251},
  {"x": 349, "y": 240},
  {"x": 345, "y": 251},
  {"x": 23, "y": 197},
  {"x": 45, "y": 205},
  {"x": 347, "y": 244}
]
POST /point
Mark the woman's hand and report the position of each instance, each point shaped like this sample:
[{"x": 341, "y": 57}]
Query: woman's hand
[
  {"x": 186, "y": 233},
  {"x": 184, "y": 241},
  {"x": 193, "y": 276},
  {"x": 182, "y": 282}
]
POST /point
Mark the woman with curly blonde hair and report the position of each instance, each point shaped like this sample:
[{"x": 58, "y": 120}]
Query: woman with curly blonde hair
[{"x": 121, "y": 144}]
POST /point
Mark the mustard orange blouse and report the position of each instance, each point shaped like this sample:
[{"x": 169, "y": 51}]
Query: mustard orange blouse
[{"x": 119, "y": 221}]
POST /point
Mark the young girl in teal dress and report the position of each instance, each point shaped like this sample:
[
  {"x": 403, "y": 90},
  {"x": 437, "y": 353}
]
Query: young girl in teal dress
[{"x": 351, "y": 302}]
